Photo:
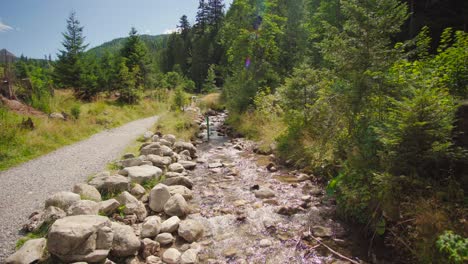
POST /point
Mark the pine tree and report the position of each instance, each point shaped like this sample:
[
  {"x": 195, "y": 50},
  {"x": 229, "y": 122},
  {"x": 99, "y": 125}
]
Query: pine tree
[
  {"x": 215, "y": 13},
  {"x": 68, "y": 68},
  {"x": 136, "y": 57},
  {"x": 210, "y": 81}
]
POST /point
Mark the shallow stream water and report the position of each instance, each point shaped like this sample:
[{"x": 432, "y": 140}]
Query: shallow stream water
[{"x": 241, "y": 228}]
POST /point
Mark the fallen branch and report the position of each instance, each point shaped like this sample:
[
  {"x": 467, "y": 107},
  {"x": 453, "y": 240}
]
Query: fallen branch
[{"x": 333, "y": 251}]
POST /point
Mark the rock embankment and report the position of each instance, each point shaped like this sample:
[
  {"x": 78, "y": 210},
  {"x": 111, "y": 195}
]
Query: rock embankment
[{"x": 138, "y": 215}]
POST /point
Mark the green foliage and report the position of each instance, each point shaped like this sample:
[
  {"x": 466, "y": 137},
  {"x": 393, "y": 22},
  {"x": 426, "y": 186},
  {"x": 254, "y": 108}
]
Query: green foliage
[
  {"x": 136, "y": 58},
  {"x": 127, "y": 84},
  {"x": 75, "y": 111},
  {"x": 210, "y": 82},
  {"x": 41, "y": 93},
  {"x": 453, "y": 246},
  {"x": 180, "y": 99}
]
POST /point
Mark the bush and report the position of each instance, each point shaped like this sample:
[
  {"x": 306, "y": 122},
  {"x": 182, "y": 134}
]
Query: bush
[
  {"x": 75, "y": 111},
  {"x": 180, "y": 99},
  {"x": 453, "y": 246}
]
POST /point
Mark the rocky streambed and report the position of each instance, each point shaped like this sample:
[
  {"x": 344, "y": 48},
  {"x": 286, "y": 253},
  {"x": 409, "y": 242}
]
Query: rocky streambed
[{"x": 210, "y": 201}]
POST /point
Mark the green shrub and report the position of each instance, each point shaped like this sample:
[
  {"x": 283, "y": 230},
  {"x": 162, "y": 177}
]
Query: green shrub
[
  {"x": 75, "y": 111},
  {"x": 453, "y": 247}
]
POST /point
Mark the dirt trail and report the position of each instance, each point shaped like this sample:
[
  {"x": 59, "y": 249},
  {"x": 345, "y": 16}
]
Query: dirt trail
[
  {"x": 246, "y": 229},
  {"x": 24, "y": 189}
]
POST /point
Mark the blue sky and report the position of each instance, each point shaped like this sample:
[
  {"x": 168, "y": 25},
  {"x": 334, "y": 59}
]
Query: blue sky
[{"x": 34, "y": 27}]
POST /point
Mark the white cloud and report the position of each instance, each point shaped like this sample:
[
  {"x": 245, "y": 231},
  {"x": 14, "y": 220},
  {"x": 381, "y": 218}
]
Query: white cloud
[
  {"x": 171, "y": 30},
  {"x": 4, "y": 27},
  {"x": 147, "y": 31}
]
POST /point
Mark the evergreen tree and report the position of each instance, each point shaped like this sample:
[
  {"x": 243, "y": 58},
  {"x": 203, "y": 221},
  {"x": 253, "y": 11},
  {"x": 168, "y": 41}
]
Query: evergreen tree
[
  {"x": 136, "y": 58},
  {"x": 68, "y": 68}
]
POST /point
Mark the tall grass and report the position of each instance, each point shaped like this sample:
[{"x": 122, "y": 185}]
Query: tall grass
[{"x": 19, "y": 145}]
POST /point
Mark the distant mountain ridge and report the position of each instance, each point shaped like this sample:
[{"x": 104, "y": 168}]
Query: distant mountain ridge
[{"x": 154, "y": 43}]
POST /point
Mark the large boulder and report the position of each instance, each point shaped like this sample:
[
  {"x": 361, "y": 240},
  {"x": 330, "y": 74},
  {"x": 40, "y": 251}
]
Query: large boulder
[
  {"x": 87, "y": 192},
  {"x": 131, "y": 162},
  {"x": 132, "y": 205},
  {"x": 188, "y": 165},
  {"x": 85, "y": 238},
  {"x": 182, "y": 190},
  {"x": 47, "y": 217},
  {"x": 84, "y": 207},
  {"x": 176, "y": 167},
  {"x": 190, "y": 230},
  {"x": 181, "y": 146},
  {"x": 140, "y": 174},
  {"x": 159, "y": 161},
  {"x": 180, "y": 180},
  {"x": 171, "y": 256},
  {"x": 62, "y": 200},
  {"x": 107, "y": 207},
  {"x": 110, "y": 184},
  {"x": 176, "y": 206},
  {"x": 125, "y": 242},
  {"x": 166, "y": 151},
  {"x": 151, "y": 148},
  {"x": 158, "y": 197},
  {"x": 169, "y": 137},
  {"x": 151, "y": 227},
  {"x": 170, "y": 225},
  {"x": 31, "y": 252},
  {"x": 190, "y": 256}
]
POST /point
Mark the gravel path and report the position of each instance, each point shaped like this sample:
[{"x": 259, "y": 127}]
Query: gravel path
[{"x": 24, "y": 189}]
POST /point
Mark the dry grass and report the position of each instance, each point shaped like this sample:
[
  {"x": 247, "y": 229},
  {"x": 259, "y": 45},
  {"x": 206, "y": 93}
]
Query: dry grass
[
  {"x": 211, "y": 101},
  {"x": 180, "y": 124},
  {"x": 52, "y": 134}
]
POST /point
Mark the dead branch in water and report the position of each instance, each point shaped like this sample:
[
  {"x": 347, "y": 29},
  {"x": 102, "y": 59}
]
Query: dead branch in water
[{"x": 332, "y": 251}]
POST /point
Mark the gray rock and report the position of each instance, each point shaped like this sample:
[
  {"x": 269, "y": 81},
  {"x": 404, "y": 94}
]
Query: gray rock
[
  {"x": 265, "y": 243},
  {"x": 125, "y": 242},
  {"x": 176, "y": 206},
  {"x": 165, "y": 238},
  {"x": 160, "y": 161},
  {"x": 215, "y": 165},
  {"x": 128, "y": 155},
  {"x": 57, "y": 115},
  {"x": 110, "y": 184},
  {"x": 190, "y": 256},
  {"x": 170, "y": 225},
  {"x": 153, "y": 260},
  {"x": 131, "y": 162},
  {"x": 171, "y": 256},
  {"x": 180, "y": 180},
  {"x": 151, "y": 227},
  {"x": 140, "y": 174},
  {"x": 84, "y": 207},
  {"x": 85, "y": 238},
  {"x": 169, "y": 137},
  {"x": 109, "y": 206},
  {"x": 31, "y": 252},
  {"x": 164, "y": 142},
  {"x": 87, "y": 192},
  {"x": 62, "y": 200},
  {"x": 148, "y": 135},
  {"x": 48, "y": 216},
  {"x": 188, "y": 165},
  {"x": 190, "y": 230},
  {"x": 264, "y": 193},
  {"x": 166, "y": 151},
  {"x": 132, "y": 205},
  {"x": 171, "y": 174},
  {"x": 159, "y": 195},
  {"x": 137, "y": 190},
  {"x": 182, "y": 190},
  {"x": 176, "y": 167},
  {"x": 181, "y": 146},
  {"x": 148, "y": 248}
]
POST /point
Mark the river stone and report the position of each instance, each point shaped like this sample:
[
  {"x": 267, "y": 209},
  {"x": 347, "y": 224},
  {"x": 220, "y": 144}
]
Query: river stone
[
  {"x": 137, "y": 190},
  {"x": 158, "y": 197},
  {"x": 182, "y": 190},
  {"x": 264, "y": 193},
  {"x": 181, "y": 146},
  {"x": 109, "y": 206},
  {"x": 85, "y": 238},
  {"x": 84, "y": 207},
  {"x": 166, "y": 151},
  {"x": 180, "y": 180},
  {"x": 159, "y": 161},
  {"x": 171, "y": 256},
  {"x": 190, "y": 230},
  {"x": 176, "y": 206},
  {"x": 132, "y": 205},
  {"x": 265, "y": 243},
  {"x": 153, "y": 260},
  {"x": 131, "y": 162},
  {"x": 171, "y": 174},
  {"x": 62, "y": 200},
  {"x": 165, "y": 238},
  {"x": 164, "y": 142},
  {"x": 151, "y": 227},
  {"x": 190, "y": 256},
  {"x": 140, "y": 174},
  {"x": 188, "y": 165},
  {"x": 48, "y": 216},
  {"x": 148, "y": 135},
  {"x": 125, "y": 242},
  {"x": 110, "y": 184},
  {"x": 176, "y": 167},
  {"x": 170, "y": 225},
  {"x": 87, "y": 192},
  {"x": 169, "y": 137},
  {"x": 149, "y": 247},
  {"x": 31, "y": 252},
  {"x": 322, "y": 231}
]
